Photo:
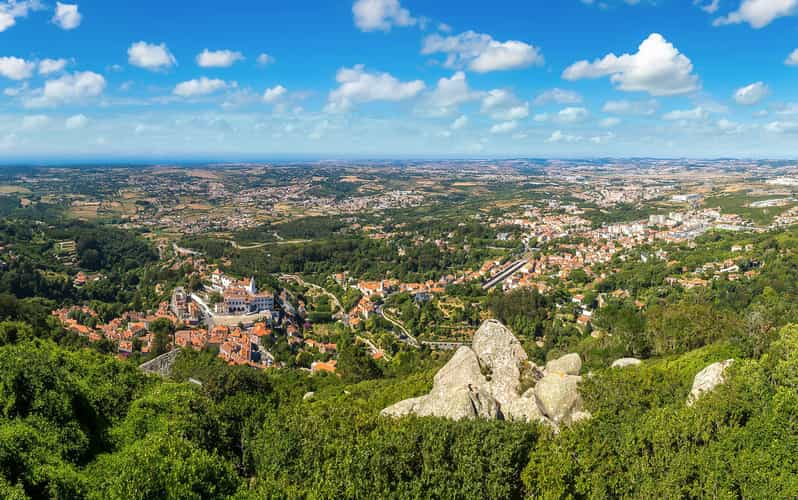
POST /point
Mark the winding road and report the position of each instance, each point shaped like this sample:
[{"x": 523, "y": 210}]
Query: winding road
[
  {"x": 301, "y": 282},
  {"x": 398, "y": 324}
]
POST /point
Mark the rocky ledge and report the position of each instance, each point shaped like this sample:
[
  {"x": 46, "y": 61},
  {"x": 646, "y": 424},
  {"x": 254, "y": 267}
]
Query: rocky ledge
[{"x": 486, "y": 381}]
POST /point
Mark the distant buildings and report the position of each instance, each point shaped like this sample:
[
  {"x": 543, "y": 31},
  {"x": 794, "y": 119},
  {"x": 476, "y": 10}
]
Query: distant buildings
[
  {"x": 184, "y": 308},
  {"x": 239, "y": 297}
]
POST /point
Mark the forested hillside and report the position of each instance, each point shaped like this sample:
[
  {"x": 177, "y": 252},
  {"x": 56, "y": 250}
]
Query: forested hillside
[{"x": 77, "y": 424}]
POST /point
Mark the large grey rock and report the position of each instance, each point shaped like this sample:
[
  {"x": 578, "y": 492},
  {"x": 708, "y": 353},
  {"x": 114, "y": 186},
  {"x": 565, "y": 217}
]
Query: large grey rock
[
  {"x": 501, "y": 356},
  {"x": 403, "y": 408},
  {"x": 707, "y": 379},
  {"x": 483, "y": 382},
  {"x": 625, "y": 362},
  {"x": 524, "y": 409},
  {"x": 463, "y": 369},
  {"x": 570, "y": 364},
  {"x": 558, "y": 396},
  {"x": 457, "y": 393},
  {"x": 457, "y": 404}
]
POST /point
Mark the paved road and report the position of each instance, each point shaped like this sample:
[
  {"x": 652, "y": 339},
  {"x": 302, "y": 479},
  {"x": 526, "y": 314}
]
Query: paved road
[
  {"x": 184, "y": 251},
  {"x": 398, "y": 324},
  {"x": 372, "y": 348},
  {"x": 298, "y": 279},
  {"x": 247, "y": 247}
]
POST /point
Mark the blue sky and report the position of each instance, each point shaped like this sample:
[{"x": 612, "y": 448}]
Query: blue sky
[{"x": 393, "y": 78}]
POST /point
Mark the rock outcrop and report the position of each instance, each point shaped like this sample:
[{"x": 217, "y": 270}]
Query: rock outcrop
[
  {"x": 558, "y": 396},
  {"x": 570, "y": 364},
  {"x": 707, "y": 379},
  {"x": 484, "y": 381},
  {"x": 458, "y": 392},
  {"x": 501, "y": 357},
  {"x": 625, "y": 362},
  {"x": 524, "y": 409}
]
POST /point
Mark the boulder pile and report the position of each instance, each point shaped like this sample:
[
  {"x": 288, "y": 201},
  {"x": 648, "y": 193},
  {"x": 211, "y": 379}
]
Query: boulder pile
[{"x": 486, "y": 381}]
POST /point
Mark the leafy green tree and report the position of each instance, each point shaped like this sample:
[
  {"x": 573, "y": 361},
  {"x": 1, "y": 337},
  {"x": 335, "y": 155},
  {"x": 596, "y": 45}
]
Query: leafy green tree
[{"x": 162, "y": 466}]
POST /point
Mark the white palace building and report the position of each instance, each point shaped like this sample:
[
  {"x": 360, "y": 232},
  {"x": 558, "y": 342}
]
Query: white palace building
[{"x": 239, "y": 296}]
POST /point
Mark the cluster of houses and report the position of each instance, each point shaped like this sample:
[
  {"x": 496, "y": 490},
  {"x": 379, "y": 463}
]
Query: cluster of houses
[{"x": 125, "y": 331}]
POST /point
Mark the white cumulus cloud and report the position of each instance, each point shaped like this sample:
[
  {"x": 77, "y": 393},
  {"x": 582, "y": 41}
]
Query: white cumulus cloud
[
  {"x": 751, "y": 94},
  {"x": 559, "y": 96},
  {"x": 199, "y": 87},
  {"x": 274, "y": 93},
  {"x": 625, "y": 107},
  {"x": 481, "y": 53},
  {"x": 694, "y": 114},
  {"x": 67, "y": 16},
  {"x": 12, "y": 10},
  {"x": 356, "y": 85},
  {"x": 459, "y": 123},
  {"x": 381, "y": 15},
  {"x": 50, "y": 66},
  {"x": 150, "y": 56},
  {"x": 504, "y": 127},
  {"x": 218, "y": 58},
  {"x": 503, "y": 105},
  {"x": 69, "y": 88},
  {"x": 448, "y": 95},
  {"x": 558, "y": 136},
  {"x": 792, "y": 59},
  {"x": 708, "y": 6},
  {"x": 657, "y": 68},
  {"x": 265, "y": 59},
  {"x": 15, "y": 68},
  {"x": 759, "y": 13},
  {"x": 573, "y": 115}
]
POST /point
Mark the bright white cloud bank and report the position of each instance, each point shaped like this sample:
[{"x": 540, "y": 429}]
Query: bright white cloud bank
[
  {"x": 694, "y": 114},
  {"x": 503, "y": 105},
  {"x": 50, "y": 66},
  {"x": 481, "y": 53},
  {"x": 15, "y": 68},
  {"x": 218, "y": 58},
  {"x": 67, "y": 16},
  {"x": 199, "y": 87},
  {"x": 380, "y": 15},
  {"x": 10, "y": 11},
  {"x": 274, "y": 93},
  {"x": 624, "y": 107},
  {"x": 150, "y": 56},
  {"x": 559, "y": 96},
  {"x": 69, "y": 88},
  {"x": 751, "y": 94},
  {"x": 759, "y": 13},
  {"x": 359, "y": 86},
  {"x": 448, "y": 95},
  {"x": 657, "y": 68}
]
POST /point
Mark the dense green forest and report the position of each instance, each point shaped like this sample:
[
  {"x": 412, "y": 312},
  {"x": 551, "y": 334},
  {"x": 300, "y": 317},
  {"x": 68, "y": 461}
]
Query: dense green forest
[{"x": 78, "y": 424}]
